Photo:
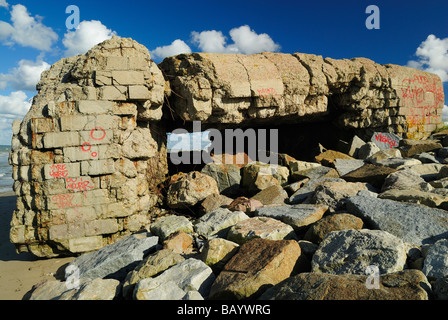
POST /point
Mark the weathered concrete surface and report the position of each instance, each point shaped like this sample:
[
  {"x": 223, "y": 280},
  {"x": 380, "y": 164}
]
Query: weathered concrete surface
[
  {"x": 87, "y": 156},
  {"x": 238, "y": 89}
]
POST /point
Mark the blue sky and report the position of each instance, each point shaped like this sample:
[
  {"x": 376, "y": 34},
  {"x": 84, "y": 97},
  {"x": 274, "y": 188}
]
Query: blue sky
[{"x": 33, "y": 34}]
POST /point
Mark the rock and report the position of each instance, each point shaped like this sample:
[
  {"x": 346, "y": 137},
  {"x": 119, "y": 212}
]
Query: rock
[
  {"x": 293, "y": 187},
  {"x": 334, "y": 222},
  {"x": 259, "y": 263},
  {"x": 443, "y": 152},
  {"x": 370, "y": 173},
  {"x": 435, "y": 264},
  {"x": 327, "y": 158},
  {"x": 49, "y": 290},
  {"x": 331, "y": 194},
  {"x": 96, "y": 289},
  {"x": 115, "y": 260},
  {"x": 315, "y": 173},
  {"x": 403, "y": 180},
  {"x": 214, "y": 201},
  {"x": 385, "y": 140},
  {"x": 402, "y": 285},
  {"x": 440, "y": 288},
  {"x": 190, "y": 189},
  {"x": 367, "y": 150},
  {"x": 428, "y": 171},
  {"x": 227, "y": 176},
  {"x": 298, "y": 165},
  {"x": 179, "y": 242},
  {"x": 297, "y": 216},
  {"x": 217, "y": 252},
  {"x": 383, "y": 155},
  {"x": 258, "y": 176},
  {"x": 87, "y": 289},
  {"x": 411, "y": 147},
  {"x": 425, "y": 157},
  {"x": 344, "y": 166},
  {"x": 352, "y": 251},
  {"x": 240, "y": 159},
  {"x": 175, "y": 282},
  {"x": 308, "y": 189},
  {"x": 439, "y": 184},
  {"x": 218, "y": 222},
  {"x": 271, "y": 195},
  {"x": 354, "y": 146},
  {"x": 398, "y": 163},
  {"x": 260, "y": 227},
  {"x": 415, "y": 196},
  {"x": 166, "y": 225},
  {"x": 443, "y": 172},
  {"x": 244, "y": 204},
  {"x": 149, "y": 267},
  {"x": 414, "y": 224}
]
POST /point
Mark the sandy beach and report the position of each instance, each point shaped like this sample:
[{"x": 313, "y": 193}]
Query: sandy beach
[{"x": 19, "y": 272}]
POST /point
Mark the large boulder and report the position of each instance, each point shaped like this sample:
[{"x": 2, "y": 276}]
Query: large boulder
[
  {"x": 189, "y": 189},
  {"x": 402, "y": 285},
  {"x": 353, "y": 251},
  {"x": 114, "y": 260},
  {"x": 259, "y": 263},
  {"x": 414, "y": 224},
  {"x": 227, "y": 176}
]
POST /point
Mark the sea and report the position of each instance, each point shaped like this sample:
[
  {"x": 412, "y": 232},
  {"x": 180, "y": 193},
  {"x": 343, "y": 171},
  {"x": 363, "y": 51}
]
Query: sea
[{"x": 6, "y": 180}]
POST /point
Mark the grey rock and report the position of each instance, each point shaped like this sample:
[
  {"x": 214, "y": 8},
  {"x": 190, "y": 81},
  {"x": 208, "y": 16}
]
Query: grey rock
[
  {"x": 354, "y": 146},
  {"x": 174, "y": 283},
  {"x": 440, "y": 288},
  {"x": 218, "y": 222},
  {"x": 398, "y": 162},
  {"x": 308, "y": 189},
  {"x": 403, "y": 180},
  {"x": 436, "y": 260},
  {"x": 297, "y": 216},
  {"x": 167, "y": 225},
  {"x": 344, "y": 166},
  {"x": 414, "y": 224},
  {"x": 117, "y": 259},
  {"x": 367, "y": 150},
  {"x": 227, "y": 176},
  {"x": 96, "y": 289},
  {"x": 352, "y": 251},
  {"x": 428, "y": 171},
  {"x": 425, "y": 157},
  {"x": 385, "y": 140}
]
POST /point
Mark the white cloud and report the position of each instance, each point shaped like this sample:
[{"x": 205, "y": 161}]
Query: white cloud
[
  {"x": 25, "y": 76},
  {"x": 87, "y": 35},
  {"x": 3, "y": 3},
  {"x": 176, "y": 47},
  {"x": 445, "y": 113},
  {"x": 210, "y": 41},
  {"x": 16, "y": 104},
  {"x": 432, "y": 57},
  {"x": 245, "y": 40},
  {"x": 26, "y": 30}
]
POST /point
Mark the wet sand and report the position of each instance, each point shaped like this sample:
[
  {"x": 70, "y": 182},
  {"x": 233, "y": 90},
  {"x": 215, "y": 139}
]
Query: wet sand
[{"x": 19, "y": 272}]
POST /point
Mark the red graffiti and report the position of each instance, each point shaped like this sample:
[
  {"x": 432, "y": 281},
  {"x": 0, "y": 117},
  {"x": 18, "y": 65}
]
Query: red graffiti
[
  {"x": 64, "y": 201},
  {"x": 385, "y": 139},
  {"x": 265, "y": 92},
  {"x": 58, "y": 171},
  {"x": 75, "y": 185},
  {"x": 96, "y": 129}
]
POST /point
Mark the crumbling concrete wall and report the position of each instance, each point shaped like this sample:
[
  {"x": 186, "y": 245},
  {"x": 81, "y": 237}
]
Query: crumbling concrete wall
[
  {"x": 87, "y": 156},
  {"x": 267, "y": 87}
]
